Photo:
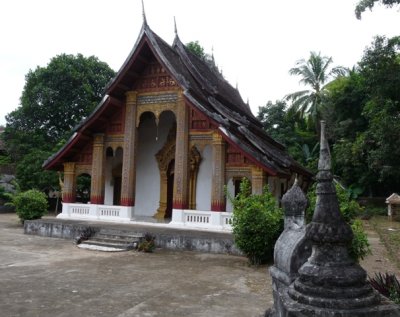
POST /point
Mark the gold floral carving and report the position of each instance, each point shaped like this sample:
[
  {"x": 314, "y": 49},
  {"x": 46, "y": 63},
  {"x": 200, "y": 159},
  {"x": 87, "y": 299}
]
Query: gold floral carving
[
  {"x": 237, "y": 171},
  {"x": 200, "y": 139},
  {"x": 164, "y": 157},
  {"x": 194, "y": 162},
  {"x": 83, "y": 169},
  {"x": 257, "y": 180}
]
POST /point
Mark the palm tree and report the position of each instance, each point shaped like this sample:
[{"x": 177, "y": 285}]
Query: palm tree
[{"x": 316, "y": 73}]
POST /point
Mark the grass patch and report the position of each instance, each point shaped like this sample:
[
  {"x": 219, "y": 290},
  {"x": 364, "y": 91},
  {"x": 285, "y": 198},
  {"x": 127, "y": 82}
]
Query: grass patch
[{"x": 389, "y": 233}]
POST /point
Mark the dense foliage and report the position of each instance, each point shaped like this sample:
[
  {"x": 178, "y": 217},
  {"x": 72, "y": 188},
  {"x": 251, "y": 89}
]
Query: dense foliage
[
  {"x": 288, "y": 128},
  {"x": 55, "y": 99},
  {"x": 315, "y": 73},
  {"x": 362, "y": 110},
  {"x": 257, "y": 223},
  {"x": 196, "y": 49},
  {"x": 369, "y": 4},
  {"x": 29, "y": 205}
]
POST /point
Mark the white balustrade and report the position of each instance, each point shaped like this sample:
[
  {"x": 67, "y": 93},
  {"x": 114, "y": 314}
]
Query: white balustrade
[
  {"x": 96, "y": 212},
  {"x": 204, "y": 220}
]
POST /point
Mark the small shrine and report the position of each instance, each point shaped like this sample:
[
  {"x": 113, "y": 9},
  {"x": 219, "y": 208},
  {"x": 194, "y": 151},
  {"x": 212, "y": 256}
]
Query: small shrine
[{"x": 393, "y": 202}]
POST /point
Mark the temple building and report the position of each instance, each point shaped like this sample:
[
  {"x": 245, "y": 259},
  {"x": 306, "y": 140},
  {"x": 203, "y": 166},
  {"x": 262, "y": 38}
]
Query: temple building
[{"x": 168, "y": 136}]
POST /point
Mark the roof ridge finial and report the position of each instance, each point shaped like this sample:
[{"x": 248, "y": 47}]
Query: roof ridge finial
[
  {"x": 175, "y": 28},
  {"x": 144, "y": 14}
]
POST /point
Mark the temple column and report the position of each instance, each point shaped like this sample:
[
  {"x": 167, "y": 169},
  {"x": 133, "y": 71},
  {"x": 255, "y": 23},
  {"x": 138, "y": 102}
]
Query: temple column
[
  {"x": 257, "y": 180},
  {"x": 163, "y": 195},
  {"x": 218, "y": 173},
  {"x": 97, "y": 184},
  {"x": 129, "y": 155},
  {"x": 69, "y": 188},
  {"x": 181, "y": 177}
]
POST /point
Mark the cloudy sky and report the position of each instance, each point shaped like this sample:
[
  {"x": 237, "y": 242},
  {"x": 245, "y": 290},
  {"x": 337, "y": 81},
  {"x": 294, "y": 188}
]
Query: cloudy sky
[{"x": 255, "y": 42}]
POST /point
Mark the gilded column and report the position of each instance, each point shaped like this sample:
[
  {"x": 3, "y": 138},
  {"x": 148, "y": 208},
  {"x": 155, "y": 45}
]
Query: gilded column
[
  {"x": 129, "y": 156},
  {"x": 163, "y": 196},
  {"x": 218, "y": 173},
  {"x": 181, "y": 177},
  {"x": 97, "y": 185},
  {"x": 69, "y": 189},
  {"x": 257, "y": 180}
]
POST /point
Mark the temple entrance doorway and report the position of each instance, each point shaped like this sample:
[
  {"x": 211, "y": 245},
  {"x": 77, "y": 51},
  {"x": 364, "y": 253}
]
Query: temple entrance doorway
[
  {"x": 170, "y": 189},
  {"x": 117, "y": 191}
]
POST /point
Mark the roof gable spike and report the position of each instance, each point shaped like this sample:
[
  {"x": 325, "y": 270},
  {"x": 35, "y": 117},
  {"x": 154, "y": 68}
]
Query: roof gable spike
[
  {"x": 175, "y": 28},
  {"x": 144, "y": 14}
]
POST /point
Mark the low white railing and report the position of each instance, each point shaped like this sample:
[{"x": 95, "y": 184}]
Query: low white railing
[
  {"x": 96, "y": 212},
  {"x": 202, "y": 219},
  {"x": 213, "y": 220}
]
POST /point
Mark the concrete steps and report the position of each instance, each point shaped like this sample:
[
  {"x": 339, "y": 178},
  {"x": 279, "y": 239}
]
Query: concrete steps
[{"x": 112, "y": 240}]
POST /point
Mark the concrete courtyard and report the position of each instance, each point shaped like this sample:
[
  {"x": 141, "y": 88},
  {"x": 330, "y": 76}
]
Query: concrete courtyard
[{"x": 52, "y": 277}]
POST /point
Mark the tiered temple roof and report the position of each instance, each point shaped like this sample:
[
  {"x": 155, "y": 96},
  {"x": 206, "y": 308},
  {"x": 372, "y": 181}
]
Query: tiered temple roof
[{"x": 204, "y": 88}]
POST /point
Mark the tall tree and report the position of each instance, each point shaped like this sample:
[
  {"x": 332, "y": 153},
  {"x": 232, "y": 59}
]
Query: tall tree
[
  {"x": 367, "y": 108},
  {"x": 289, "y": 129},
  {"x": 369, "y": 4},
  {"x": 196, "y": 49},
  {"x": 55, "y": 98},
  {"x": 316, "y": 73}
]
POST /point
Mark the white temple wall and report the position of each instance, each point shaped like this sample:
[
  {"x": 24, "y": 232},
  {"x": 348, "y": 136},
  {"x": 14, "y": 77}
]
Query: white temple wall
[
  {"x": 230, "y": 187},
  {"x": 111, "y": 163},
  {"x": 108, "y": 182},
  {"x": 147, "y": 196},
  {"x": 204, "y": 179}
]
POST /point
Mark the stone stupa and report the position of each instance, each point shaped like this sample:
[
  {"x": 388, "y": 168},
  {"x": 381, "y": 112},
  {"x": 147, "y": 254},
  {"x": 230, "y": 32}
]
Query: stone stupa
[{"x": 330, "y": 283}]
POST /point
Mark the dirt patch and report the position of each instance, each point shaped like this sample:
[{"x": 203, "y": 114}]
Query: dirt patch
[{"x": 380, "y": 260}]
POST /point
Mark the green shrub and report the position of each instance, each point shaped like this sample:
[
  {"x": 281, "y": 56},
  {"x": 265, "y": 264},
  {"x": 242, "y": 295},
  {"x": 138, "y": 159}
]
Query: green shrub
[
  {"x": 359, "y": 247},
  {"x": 29, "y": 205},
  {"x": 371, "y": 211},
  {"x": 350, "y": 210},
  {"x": 148, "y": 244},
  {"x": 257, "y": 223}
]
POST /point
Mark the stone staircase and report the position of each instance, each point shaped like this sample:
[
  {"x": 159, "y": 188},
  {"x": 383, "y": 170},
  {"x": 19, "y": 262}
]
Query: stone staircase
[{"x": 112, "y": 240}]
